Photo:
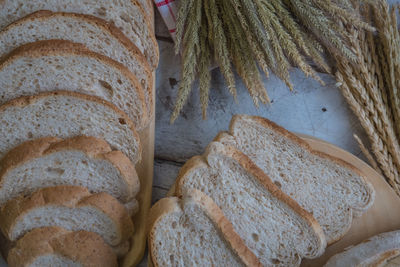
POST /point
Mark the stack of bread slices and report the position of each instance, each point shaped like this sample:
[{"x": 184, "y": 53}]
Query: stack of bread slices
[
  {"x": 76, "y": 79},
  {"x": 258, "y": 196}
]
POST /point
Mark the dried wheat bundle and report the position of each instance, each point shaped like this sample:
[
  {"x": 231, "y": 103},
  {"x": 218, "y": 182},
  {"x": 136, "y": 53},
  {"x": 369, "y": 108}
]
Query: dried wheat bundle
[
  {"x": 371, "y": 87},
  {"x": 248, "y": 35}
]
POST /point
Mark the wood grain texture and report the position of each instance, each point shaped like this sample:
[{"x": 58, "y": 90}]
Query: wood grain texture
[
  {"x": 145, "y": 172},
  {"x": 383, "y": 216}
]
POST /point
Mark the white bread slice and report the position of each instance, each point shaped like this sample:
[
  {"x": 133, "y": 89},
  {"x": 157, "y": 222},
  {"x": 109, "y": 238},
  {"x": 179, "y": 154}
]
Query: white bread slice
[
  {"x": 96, "y": 34},
  {"x": 66, "y": 114},
  {"x": 55, "y": 246},
  {"x": 148, "y": 8},
  {"x": 275, "y": 228},
  {"x": 330, "y": 189},
  {"x": 194, "y": 231},
  {"x": 373, "y": 252},
  {"x": 71, "y": 207},
  {"x": 82, "y": 161},
  {"x": 57, "y": 65},
  {"x": 127, "y": 15}
]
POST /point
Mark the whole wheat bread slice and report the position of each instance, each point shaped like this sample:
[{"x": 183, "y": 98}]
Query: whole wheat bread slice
[
  {"x": 62, "y": 65},
  {"x": 96, "y": 34},
  {"x": 55, "y": 246},
  {"x": 148, "y": 8},
  {"x": 275, "y": 228},
  {"x": 66, "y": 114},
  {"x": 332, "y": 190},
  {"x": 373, "y": 252},
  {"x": 71, "y": 207},
  {"x": 194, "y": 231},
  {"x": 82, "y": 161},
  {"x": 127, "y": 15}
]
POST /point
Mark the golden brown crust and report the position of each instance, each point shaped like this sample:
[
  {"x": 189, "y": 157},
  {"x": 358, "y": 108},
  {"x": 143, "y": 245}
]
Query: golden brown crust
[
  {"x": 198, "y": 162},
  {"x": 300, "y": 142},
  {"x": 221, "y": 135},
  {"x": 384, "y": 258},
  {"x": 68, "y": 48},
  {"x": 173, "y": 205},
  {"x": 93, "y": 147},
  {"x": 111, "y": 29},
  {"x": 161, "y": 208},
  {"x": 150, "y": 35},
  {"x": 126, "y": 168},
  {"x": 225, "y": 227},
  {"x": 148, "y": 8},
  {"x": 28, "y": 100},
  {"x": 70, "y": 197},
  {"x": 84, "y": 247},
  {"x": 25, "y": 152},
  {"x": 150, "y": 28},
  {"x": 110, "y": 206}
]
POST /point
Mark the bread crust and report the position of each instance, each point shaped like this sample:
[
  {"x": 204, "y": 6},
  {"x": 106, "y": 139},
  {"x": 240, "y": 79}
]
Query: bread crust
[
  {"x": 373, "y": 252},
  {"x": 93, "y": 147},
  {"x": 28, "y": 100},
  {"x": 153, "y": 58},
  {"x": 245, "y": 162},
  {"x": 356, "y": 211},
  {"x": 105, "y": 26},
  {"x": 67, "y": 48},
  {"x": 84, "y": 247},
  {"x": 69, "y": 197},
  {"x": 150, "y": 28},
  {"x": 225, "y": 228},
  {"x": 294, "y": 138}
]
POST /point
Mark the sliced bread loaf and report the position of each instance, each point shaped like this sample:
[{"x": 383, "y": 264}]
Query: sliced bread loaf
[
  {"x": 71, "y": 207},
  {"x": 60, "y": 65},
  {"x": 275, "y": 228},
  {"x": 55, "y": 246},
  {"x": 194, "y": 231},
  {"x": 330, "y": 189},
  {"x": 81, "y": 161},
  {"x": 66, "y": 114},
  {"x": 96, "y": 34},
  {"x": 373, "y": 252},
  {"x": 128, "y": 16},
  {"x": 148, "y": 8}
]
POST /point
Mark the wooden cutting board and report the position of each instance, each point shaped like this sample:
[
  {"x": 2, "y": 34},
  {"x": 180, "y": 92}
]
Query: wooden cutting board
[
  {"x": 382, "y": 217},
  {"x": 145, "y": 172}
]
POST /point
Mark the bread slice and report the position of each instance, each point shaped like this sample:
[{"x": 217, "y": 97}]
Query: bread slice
[
  {"x": 6, "y": 246},
  {"x": 62, "y": 65},
  {"x": 277, "y": 230},
  {"x": 71, "y": 207},
  {"x": 330, "y": 189},
  {"x": 194, "y": 231},
  {"x": 375, "y": 251},
  {"x": 66, "y": 114},
  {"x": 82, "y": 161},
  {"x": 96, "y": 34},
  {"x": 148, "y": 8},
  {"x": 128, "y": 16},
  {"x": 55, "y": 246}
]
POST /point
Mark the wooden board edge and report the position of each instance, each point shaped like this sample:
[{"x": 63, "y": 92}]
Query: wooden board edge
[
  {"x": 381, "y": 217},
  {"x": 145, "y": 173}
]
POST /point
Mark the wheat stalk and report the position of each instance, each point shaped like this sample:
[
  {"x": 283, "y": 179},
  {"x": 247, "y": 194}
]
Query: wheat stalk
[
  {"x": 370, "y": 86},
  {"x": 251, "y": 34}
]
